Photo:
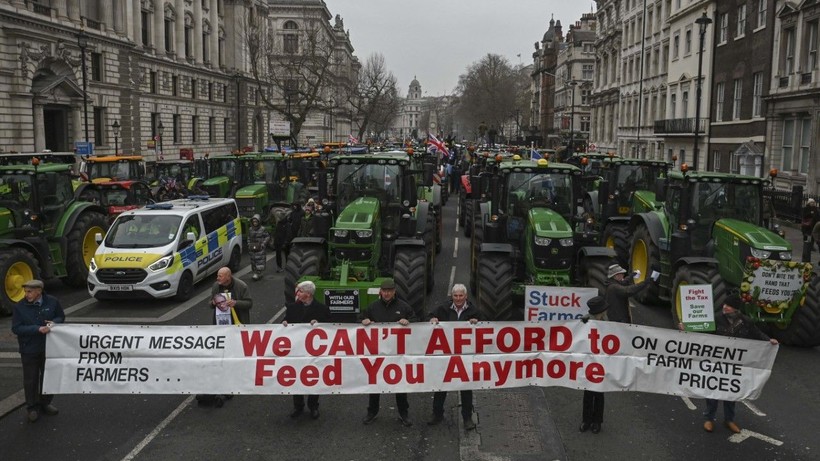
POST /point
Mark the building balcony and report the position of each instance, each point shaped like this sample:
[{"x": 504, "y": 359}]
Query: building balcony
[{"x": 684, "y": 126}]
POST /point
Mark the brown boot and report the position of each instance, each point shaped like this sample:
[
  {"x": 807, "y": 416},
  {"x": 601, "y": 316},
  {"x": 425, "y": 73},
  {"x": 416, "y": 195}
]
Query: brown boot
[{"x": 708, "y": 426}]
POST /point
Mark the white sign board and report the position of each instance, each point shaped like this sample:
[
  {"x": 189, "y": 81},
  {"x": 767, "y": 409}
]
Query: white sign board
[
  {"x": 556, "y": 303},
  {"x": 697, "y": 308},
  {"x": 279, "y": 127}
]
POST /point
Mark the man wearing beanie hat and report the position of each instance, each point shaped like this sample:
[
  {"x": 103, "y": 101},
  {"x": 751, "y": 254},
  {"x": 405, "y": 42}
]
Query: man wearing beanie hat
[
  {"x": 619, "y": 289},
  {"x": 730, "y": 321},
  {"x": 388, "y": 309},
  {"x": 33, "y": 318},
  {"x": 592, "y": 415}
]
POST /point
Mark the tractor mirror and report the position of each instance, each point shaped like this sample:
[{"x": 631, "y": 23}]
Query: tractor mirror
[{"x": 98, "y": 238}]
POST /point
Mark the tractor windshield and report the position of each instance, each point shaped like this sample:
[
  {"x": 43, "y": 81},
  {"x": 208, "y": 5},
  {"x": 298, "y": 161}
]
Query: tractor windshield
[
  {"x": 367, "y": 180},
  {"x": 716, "y": 200},
  {"x": 636, "y": 177},
  {"x": 143, "y": 231},
  {"x": 17, "y": 188},
  {"x": 119, "y": 170},
  {"x": 550, "y": 190},
  {"x": 224, "y": 168},
  {"x": 180, "y": 172}
]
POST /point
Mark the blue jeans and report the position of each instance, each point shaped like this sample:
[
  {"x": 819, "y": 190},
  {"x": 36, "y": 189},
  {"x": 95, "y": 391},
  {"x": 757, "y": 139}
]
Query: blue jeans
[{"x": 712, "y": 406}]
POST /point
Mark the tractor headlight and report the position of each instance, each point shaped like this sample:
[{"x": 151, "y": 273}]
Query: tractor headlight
[
  {"x": 162, "y": 263},
  {"x": 364, "y": 234},
  {"x": 340, "y": 233},
  {"x": 92, "y": 267},
  {"x": 786, "y": 256},
  {"x": 761, "y": 254},
  {"x": 542, "y": 241},
  {"x": 566, "y": 242}
]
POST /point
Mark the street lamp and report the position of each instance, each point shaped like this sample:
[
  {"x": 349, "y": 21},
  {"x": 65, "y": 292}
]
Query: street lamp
[
  {"x": 116, "y": 128},
  {"x": 330, "y": 111},
  {"x": 82, "y": 42},
  {"x": 160, "y": 129},
  {"x": 702, "y": 23}
]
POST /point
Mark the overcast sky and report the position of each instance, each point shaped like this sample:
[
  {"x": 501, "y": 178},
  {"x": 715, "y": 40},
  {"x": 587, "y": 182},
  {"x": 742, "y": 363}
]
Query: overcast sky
[{"x": 435, "y": 40}]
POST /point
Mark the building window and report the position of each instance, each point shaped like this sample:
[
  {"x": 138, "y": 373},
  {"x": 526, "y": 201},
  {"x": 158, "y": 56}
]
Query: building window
[
  {"x": 805, "y": 143},
  {"x": 719, "y": 95},
  {"x": 96, "y": 67},
  {"x": 723, "y": 28},
  {"x": 194, "y": 84},
  {"x": 221, "y": 51},
  {"x": 211, "y": 128},
  {"x": 673, "y": 105},
  {"x": 688, "y": 44},
  {"x": 291, "y": 39},
  {"x": 738, "y": 97},
  {"x": 684, "y": 100},
  {"x": 811, "y": 46},
  {"x": 741, "y": 21},
  {"x": 194, "y": 126},
  {"x": 757, "y": 97},
  {"x": 169, "y": 35},
  {"x": 176, "y": 128},
  {"x": 146, "y": 28},
  {"x": 676, "y": 45},
  {"x": 174, "y": 85},
  {"x": 787, "y": 58},
  {"x": 189, "y": 40},
  {"x": 152, "y": 79},
  {"x": 761, "y": 13},
  {"x": 225, "y": 125},
  {"x": 206, "y": 47},
  {"x": 210, "y": 91},
  {"x": 788, "y": 144},
  {"x": 586, "y": 72},
  {"x": 99, "y": 127},
  {"x": 716, "y": 160}
]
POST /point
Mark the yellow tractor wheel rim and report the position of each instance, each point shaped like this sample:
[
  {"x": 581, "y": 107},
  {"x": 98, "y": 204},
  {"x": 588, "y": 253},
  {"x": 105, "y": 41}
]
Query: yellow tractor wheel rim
[
  {"x": 90, "y": 243},
  {"x": 18, "y": 274}
]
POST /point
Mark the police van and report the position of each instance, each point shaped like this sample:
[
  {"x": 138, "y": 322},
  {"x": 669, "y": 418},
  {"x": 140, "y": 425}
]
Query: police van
[{"x": 163, "y": 249}]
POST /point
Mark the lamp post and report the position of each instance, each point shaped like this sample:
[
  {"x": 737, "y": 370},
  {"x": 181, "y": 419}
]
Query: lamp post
[
  {"x": 330, "y": 112},
  {"x": 116, "y": 128},
  {"x": 82, "y": 42},
  {"x": 702, "y": 23},
  {"x": 572, "y": 84},
  {"x": 160, "y": 129}
]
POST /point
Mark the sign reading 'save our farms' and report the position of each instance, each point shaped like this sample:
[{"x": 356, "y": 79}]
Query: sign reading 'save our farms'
[
  {"x": 556, "y": 303},
  {"x": 348, "y": 359},
  {"x": 697, "y": 308}
]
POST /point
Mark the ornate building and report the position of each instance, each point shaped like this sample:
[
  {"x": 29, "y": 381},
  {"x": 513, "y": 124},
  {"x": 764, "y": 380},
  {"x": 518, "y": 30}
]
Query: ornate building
[
  {"x": 575, "y": 68},
  {"x": 173, "y": 71}
]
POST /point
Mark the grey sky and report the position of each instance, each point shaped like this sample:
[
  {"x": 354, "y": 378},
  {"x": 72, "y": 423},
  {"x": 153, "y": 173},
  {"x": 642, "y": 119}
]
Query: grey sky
[{"x": 435, "y": 40}]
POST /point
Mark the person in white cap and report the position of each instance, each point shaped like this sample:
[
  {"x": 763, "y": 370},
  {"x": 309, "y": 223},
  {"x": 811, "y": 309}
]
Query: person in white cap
[
  {"x": 32, "y": 320},
  {"x": 618, "y": 290}
]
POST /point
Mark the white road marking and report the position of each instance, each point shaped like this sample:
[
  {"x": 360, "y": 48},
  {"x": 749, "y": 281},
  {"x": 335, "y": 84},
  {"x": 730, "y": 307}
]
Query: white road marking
[
  {"x": 753, "y": 408},
  {"x": 745, "y": 434},
  {"x": 452, "y": 280},
  {"x": 153, "y": 434},
  {"x": 457, "y": 226},
  {"x": 277, "y": 314},
  {"x": 455, "y": 249},
  {"x": 79, "y": 306},
  {"x": 689, "y": 404}
]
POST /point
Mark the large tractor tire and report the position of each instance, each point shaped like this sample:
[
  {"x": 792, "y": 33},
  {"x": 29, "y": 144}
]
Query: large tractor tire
[
  {"x": 409, "y": 274},
  {"x": 475, "y": 249},
  {"x": 81, "y": 246},
  {"x": 696, "y": 274},
  {"x": 469, "y": 213},
  {"x": 439, "y": 229},
  {"x": 804, "y": 329},
  {"x": 495, "y": 273},
  {"x": 303, "y": 260},
  {"x": 461, "y": 212},
  {"x": 594, "y": 275},
  {"x": 17, "y": 267},
  {"x": 430, "y": 242},
  {"x": 645, "y": 256},
  {"x": 616, "y": 236}
]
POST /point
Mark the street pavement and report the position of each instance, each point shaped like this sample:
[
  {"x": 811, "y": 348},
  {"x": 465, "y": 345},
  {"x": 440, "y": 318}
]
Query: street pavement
[{"x": 512, "y": 423}]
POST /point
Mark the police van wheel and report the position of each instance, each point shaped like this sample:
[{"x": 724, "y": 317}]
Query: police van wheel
[
  {"x": 186, "y": 286},
  {"x": 17, "y": 267}
]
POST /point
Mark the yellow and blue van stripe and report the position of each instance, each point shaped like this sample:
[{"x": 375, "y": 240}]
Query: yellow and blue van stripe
[{"x": 212, "y": 242}]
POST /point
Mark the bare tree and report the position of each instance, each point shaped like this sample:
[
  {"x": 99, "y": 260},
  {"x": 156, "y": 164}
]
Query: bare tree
[
  {"x": 294, "y": 70},
  {"x": 488, "y": 92},
  {"x": 375, "y": 99}
]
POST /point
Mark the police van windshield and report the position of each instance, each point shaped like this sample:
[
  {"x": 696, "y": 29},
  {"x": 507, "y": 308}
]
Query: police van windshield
[{"x": 143, "y": 231}]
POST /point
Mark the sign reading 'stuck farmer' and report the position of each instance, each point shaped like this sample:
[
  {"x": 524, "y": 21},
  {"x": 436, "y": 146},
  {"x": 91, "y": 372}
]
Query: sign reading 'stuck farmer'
[{"x": 697, "y": 308}]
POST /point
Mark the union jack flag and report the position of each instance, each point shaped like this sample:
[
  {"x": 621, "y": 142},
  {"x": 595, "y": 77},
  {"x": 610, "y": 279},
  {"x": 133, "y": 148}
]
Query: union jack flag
[
  {"x": 352, "y": 139},
  {"x": 432, "y": 139}
]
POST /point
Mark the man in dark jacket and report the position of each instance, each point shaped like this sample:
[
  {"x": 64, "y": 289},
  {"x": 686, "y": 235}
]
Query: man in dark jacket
[
  {"x": 618, "y": 291},
  {"x": 729, "y": 321},
  {"x": 239, "y": 297},
  {"x": 305, "y": 309},
  {"x": 388, "y": 309},
  {"x": 32, "y": 320},
  {"x": 458, "y": 309}
]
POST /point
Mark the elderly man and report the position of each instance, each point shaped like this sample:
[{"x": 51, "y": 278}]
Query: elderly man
[
  {"x": 305, "y": 309},
  {"x": 32, "y": 320},
  {"x": 618, "y": 290},
  {"x": 388, "y": 309},
  {"x": 459, "y": 308},
  {"x": 239, "y": 297}
]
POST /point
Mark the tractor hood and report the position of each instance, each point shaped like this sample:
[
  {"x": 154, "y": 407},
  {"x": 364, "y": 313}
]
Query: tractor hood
[
  {"x": 253, "y": 190},
  {"x": 754, "y": 236},
  {"x": 645, "y": 200},
  {"x": 216, "y": 180},
  {"x": 359, "y": 214},
  {"x": 548, "y": 223}
]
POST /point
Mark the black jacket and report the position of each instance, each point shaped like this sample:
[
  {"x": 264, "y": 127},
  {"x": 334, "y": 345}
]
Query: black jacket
[
  {"x": 239, "y": 292},
  {"x": 28, "y": 318},
  {"x": 617, "y": 296},
  {"x": 445, "y": 313},
  {"x": 380, "y": 312},
  {"x": 300, "y": 313},
  {"x": 745, "y": 328}
]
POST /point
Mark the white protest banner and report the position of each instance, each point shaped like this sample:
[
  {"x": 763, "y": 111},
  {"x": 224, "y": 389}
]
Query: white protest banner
[
  {"x": 551, "y": 304},
  {"x": 336, "y": 359},
  {"x": 697, "y": 308}
]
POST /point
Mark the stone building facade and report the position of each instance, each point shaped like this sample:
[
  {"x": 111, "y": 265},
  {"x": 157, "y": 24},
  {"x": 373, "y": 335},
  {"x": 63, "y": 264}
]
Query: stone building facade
[{"x": 575, "y": 68}]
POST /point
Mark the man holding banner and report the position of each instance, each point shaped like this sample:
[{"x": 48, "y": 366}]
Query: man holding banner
[
  {"x": 618, "y": 291},
  {"x": 730, "y": 321}
]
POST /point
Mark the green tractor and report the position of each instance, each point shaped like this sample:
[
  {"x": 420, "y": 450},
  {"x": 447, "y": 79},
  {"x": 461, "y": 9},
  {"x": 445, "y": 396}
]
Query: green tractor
[
  {"x": 371, "y": 226},
  {"x": 710, "y": 231},
  {"x": 429, "y": 190},
  {"x": 44, "y": 232},
  {"x": 531, "y": 231},
  {"x": 225, "y": 175},
  {"x": 626, "y": 187}
]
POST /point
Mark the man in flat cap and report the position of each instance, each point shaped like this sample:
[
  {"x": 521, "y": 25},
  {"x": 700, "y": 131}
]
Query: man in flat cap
[
  {"x": 619, "y": 289},
  {"x": 32, "y": 320},
  {"x": 388, "y": 309}
]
